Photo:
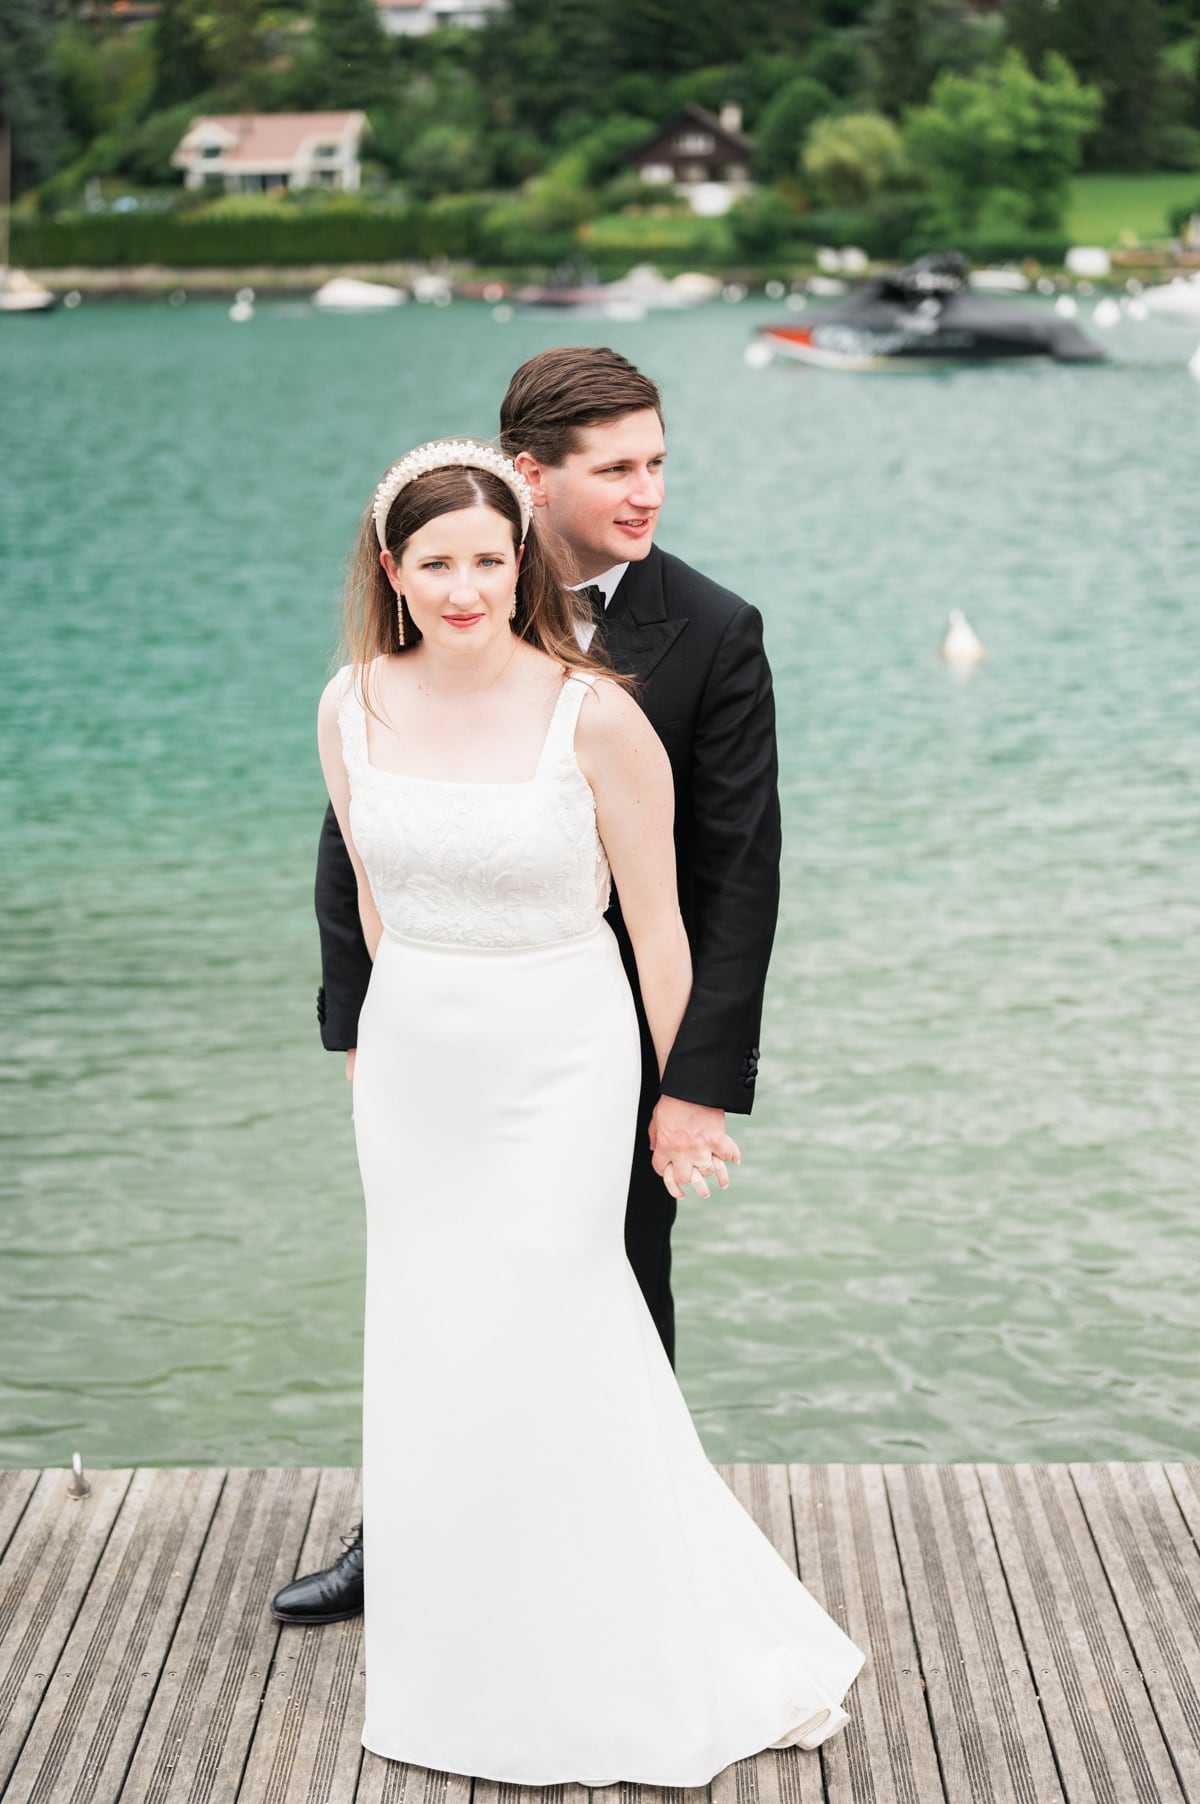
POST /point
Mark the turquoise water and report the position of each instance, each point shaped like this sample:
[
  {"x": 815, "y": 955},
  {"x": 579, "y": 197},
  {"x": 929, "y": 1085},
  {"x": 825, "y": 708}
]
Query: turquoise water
[{"x": 968, "y": 1224}]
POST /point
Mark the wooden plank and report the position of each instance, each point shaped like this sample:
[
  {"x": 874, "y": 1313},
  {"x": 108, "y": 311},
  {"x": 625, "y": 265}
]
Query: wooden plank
[
  {"x": 16, "y": 1488},
  {"x": 307, "y": 1745},
  {"x": 660, "y": 1794},
  {"x": 193, "y": 1746},
  {"x": 490, "y": 1791},
  {"x": 991, "y": 1738},
  {"x": 51, "y": 1556},
  {"x": 1107, "y": 1743},
  {"x": 780, "y": 1775},
  {"x": 848, "y": 1560},
  {"x": 1185, "y": 1483},
  {"x": 392, "y": 1782},
  {"x": 1153, "y": 1567},
  {"x": 85, "y": 1730}
]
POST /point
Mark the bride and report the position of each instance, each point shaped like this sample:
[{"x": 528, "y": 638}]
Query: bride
[{"x": 561, "y": 1588}]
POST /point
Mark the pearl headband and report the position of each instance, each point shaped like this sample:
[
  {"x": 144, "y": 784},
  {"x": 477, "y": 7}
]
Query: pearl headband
[{"x": 447, "y": 454}]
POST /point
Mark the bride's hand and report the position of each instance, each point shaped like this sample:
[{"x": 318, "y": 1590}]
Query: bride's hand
[{"x": 689, "y": 1145}]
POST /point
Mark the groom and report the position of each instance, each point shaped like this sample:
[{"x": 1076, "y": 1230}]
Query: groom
[{"x": 585, "y": 427}]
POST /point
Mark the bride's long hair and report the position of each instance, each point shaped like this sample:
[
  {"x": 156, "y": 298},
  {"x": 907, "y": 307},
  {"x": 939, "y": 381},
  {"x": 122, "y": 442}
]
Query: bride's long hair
[{"x": 546, "y": 613}]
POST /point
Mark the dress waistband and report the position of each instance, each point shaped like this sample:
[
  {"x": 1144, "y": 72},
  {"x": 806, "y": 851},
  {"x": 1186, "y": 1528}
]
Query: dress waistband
[{"x": 528, "y": 946}]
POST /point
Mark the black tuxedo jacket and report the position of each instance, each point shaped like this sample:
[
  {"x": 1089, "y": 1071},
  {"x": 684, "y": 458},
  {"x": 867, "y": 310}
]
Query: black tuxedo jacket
[{"x": 696, "y": 651}]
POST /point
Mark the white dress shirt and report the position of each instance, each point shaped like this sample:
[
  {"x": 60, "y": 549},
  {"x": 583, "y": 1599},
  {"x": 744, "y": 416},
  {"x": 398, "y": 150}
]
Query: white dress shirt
[{"x": 606, "y": 582}]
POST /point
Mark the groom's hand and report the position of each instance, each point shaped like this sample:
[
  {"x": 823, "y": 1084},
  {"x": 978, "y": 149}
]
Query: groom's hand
[{"x": 688, "y": 1143}]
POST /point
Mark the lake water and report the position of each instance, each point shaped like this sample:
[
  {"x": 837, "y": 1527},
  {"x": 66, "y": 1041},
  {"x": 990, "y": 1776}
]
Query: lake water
[{"x": 968, "y": 1223}]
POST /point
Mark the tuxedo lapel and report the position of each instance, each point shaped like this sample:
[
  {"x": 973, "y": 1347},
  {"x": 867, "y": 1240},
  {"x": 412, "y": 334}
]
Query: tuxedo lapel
[{"x": 637, "y": 632}]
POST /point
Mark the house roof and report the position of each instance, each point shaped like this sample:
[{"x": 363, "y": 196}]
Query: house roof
[
  {"x": 268, "y": 137},
  {"x": 401, "y": 6},
  {"x": 696, "y": 115}
]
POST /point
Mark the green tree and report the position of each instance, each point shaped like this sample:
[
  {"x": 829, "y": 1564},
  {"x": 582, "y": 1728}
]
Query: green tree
[
  {"x": 350, "y": 51},
  {"x": 676, "y": 38},
  {"x": 849, "y": 159},
  {"x": 605, "y": 152},
  {"x": 901, "y": 74},
  {"x": 761, "y": 224},
  {"x": 786, "y": 123},
  {"x": 105, "y": 83},
  {"x": 547, "y": 61},
  {"x": 912, "y": 41},
  {"x": 836, "y": 60},
  {"x": 181, "y": 65},
  {"x": 1002, "y": 140},
  {"x": 763, "y": 76},
  {"x": 838, "y": 14},
  {"x": 446, "y": 159},
  {"x": 29, "y": 98},
  {"x": 1031, "y": 27},
  {"x": 1114, "y": 46},
  {"x": 233, "y": 36}
]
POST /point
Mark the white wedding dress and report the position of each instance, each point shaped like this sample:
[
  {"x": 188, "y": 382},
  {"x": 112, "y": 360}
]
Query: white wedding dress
[{"x": 559, "y": 1587}]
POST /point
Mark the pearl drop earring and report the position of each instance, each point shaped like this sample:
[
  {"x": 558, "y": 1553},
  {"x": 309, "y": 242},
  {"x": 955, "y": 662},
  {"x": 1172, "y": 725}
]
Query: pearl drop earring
[{"x": 400, "y": 616}]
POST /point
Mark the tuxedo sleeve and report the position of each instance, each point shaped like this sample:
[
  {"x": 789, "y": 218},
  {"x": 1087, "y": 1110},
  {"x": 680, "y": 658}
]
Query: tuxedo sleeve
[
  {"x": 734, "y": 901},
  {"x": 345, "y": 961}
]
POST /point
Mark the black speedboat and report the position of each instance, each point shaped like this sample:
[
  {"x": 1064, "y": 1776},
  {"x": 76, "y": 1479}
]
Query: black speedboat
[{"x": 926, "y": 314}]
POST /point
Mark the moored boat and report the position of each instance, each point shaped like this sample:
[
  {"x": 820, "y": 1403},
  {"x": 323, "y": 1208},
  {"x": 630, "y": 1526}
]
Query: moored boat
[
  {"x": 19, "y": 293},
  {"x": 1177, "y": 299},
  {"x": 926, "y": 314},
  {"x": 346, "y": 294}
]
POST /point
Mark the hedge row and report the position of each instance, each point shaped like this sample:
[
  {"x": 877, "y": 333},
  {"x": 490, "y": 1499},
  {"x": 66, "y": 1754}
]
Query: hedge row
[
  {"x": 196, "y": 240},
  {"x": 894, "y": 231},
  {"x": 460, "y": 228}
]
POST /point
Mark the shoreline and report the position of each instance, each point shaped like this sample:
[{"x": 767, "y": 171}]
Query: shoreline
[
  {"x": 299, "y": 281},
  {"x": 287, "y": 281}
]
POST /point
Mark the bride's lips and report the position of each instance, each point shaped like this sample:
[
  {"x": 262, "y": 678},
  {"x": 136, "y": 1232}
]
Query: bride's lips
[{"x": 462, "y": 620}]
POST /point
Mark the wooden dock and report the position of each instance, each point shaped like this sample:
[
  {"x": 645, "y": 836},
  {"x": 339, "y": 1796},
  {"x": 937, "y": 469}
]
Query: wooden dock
[{"x": 1033, "y": 1635}]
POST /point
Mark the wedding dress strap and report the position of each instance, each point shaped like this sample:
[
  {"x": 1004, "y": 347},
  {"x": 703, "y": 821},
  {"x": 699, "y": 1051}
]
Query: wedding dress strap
[
  {"x": 352, "y": 719},
  {"x": 560, "y": 735}
]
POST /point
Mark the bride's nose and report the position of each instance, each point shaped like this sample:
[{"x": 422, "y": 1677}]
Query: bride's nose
[{"x": 464, "y": 586}]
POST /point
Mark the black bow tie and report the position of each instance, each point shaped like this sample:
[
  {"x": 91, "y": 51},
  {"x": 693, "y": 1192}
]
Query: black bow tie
[{"x": 593, "y": 594}]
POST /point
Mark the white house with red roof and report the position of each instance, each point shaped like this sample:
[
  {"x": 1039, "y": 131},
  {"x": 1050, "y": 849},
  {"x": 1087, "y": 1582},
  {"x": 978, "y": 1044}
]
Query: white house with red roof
[
  {"x": 413, "y": 18},
  {"x": 248, "y": 153}
]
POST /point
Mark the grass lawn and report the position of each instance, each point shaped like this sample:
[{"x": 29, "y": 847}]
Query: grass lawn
[{"x": 1111, "y": 209}]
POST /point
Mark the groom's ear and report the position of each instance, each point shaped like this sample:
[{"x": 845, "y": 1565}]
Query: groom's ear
[{"x": 533, "y": 472}]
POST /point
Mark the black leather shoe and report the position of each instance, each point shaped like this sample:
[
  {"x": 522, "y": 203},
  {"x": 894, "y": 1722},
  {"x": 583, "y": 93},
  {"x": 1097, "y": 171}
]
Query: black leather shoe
[{"x": 333, "y": 1595}]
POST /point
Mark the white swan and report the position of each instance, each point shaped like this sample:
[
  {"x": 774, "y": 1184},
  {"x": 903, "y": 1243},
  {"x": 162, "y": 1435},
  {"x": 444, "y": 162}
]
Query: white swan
[{"x": 961, "y": 644}]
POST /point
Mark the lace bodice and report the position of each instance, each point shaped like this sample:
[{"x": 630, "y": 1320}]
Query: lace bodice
[{"x": 479, "y": 864}]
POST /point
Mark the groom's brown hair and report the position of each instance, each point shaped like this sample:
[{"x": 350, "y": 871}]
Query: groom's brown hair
[{"x": 558, "y": 393}]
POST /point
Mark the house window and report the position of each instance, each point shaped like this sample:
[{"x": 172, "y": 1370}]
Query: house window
[
  {"x": 657, "y": 173},
  {"x": 210, "y": 150},
  {"x": 694, "y": 144},
  {"x": 325, "y": 150}
]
